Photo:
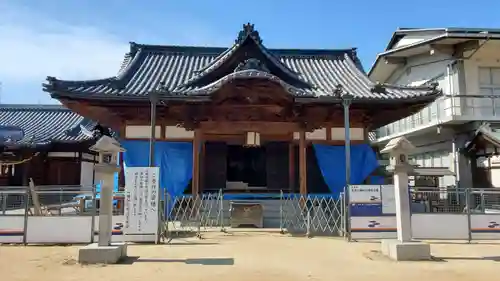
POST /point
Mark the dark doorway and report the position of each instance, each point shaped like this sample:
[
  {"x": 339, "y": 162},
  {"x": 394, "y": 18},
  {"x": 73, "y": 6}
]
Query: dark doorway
[{"x": 247, "y": 164}]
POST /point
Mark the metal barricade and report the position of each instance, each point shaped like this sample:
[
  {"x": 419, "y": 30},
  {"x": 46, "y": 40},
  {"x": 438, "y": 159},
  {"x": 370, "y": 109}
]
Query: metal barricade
[
  {"x": 312, "y": 214},
  {"x": 187, "y": 215},
  {"x": 62, "y": 200}
]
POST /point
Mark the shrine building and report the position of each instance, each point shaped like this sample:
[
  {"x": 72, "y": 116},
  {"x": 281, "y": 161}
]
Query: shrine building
[
  {"x": 243, "y": 118},
  {"x": 46, "y": 143}
]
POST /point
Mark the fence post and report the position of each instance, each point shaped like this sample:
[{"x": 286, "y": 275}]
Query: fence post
[
  {"x": 483, "y": 202},
  {"x": 308, "y": 225},
  {"x": 342, "y": 212},
  {"x": 468, "y": 211},
  {"x": 198, "y": 204},
  {"x": 347, "y": 213},
  {"x": 166, "y": 212},
  {"x": 4, "y": 202},
  {"x": 26, "y": 214},
  {"x": 93, "y": 213},
  {"x": 221, "y": 210},
  {"x": 282, "y": 230}
]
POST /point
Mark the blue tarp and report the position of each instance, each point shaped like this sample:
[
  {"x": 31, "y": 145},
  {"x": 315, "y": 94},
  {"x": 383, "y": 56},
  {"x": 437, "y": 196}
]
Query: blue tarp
[
  {"x": 377, "y": 180},
  {"x": 331, "y": 162},
  {"x": 175, "y": 160}
]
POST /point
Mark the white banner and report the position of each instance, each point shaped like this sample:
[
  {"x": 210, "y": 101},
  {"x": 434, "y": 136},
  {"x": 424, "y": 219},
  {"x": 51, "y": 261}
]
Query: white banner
[
  {"x": 366, "y": 194},
  {"x": 388, "y": 199},
  {"x": 141, "y": 204}
]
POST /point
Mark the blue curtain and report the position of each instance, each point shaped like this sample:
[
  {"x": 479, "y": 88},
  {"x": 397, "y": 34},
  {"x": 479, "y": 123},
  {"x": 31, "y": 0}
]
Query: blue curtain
[
  {"x": 331, "y": 162},
  {"x": 175, "y": 160}
]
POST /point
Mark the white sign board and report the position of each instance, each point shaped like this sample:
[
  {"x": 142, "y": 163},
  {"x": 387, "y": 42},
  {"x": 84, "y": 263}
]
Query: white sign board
[
  {"x": 388, "y": 199},
  {"x": 141, "y": 204},
  {"x": 368, "y": 194}
]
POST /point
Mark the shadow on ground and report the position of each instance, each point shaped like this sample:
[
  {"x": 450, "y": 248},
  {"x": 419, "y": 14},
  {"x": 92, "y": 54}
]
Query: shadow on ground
[
  {"x": 200, "y": 261},
  {"x": 494, "y": 258}
]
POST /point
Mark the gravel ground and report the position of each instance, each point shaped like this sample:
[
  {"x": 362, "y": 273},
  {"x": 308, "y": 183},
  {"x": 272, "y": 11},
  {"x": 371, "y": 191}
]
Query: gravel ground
[{"x": 254, "y": 256}]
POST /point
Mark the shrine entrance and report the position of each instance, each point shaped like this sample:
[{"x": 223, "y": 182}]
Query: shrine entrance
[{"x": 246, "y": 167}]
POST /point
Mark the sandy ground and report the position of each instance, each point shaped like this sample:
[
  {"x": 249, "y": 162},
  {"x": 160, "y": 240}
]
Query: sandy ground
[{"x": 254, "y": 256}]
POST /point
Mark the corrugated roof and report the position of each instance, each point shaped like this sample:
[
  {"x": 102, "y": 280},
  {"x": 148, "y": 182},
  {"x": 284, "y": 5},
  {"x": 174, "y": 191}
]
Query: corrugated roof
[
  {"x": 172, "y": 70},
  {"x": 44, "y": 124}
]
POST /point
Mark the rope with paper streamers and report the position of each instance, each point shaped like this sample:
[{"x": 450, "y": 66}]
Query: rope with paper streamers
[{"x": 13, "y": 163}]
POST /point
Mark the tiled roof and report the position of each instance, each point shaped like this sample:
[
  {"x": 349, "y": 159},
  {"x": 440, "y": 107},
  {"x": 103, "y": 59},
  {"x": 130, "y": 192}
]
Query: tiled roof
[
  {"x": 43, "y": 124},
  {"x": 484, "y": 133},
  {"x": 199, "y": 71}
]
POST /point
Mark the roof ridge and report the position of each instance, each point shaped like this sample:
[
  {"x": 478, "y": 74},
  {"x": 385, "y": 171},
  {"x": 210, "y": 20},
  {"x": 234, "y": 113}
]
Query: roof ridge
[
  {"x": 218, "y": 50},
  {"x": 34, "y": 107},
  {"x": 420, "y": 87}
]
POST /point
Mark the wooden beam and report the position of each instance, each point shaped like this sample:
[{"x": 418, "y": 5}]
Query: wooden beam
[
  {"x": 395, "y": 60},
  {"x": 241, "y": 127},
  {"x": 441, "y": 49},
  {"x": 302, "y": 163},
  {"x": 464, "y": 47},
  {"x": 196, "y": 162}
]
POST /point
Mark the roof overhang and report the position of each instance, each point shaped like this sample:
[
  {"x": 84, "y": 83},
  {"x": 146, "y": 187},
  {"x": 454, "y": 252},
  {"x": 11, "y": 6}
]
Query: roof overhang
[
  {"x": 423, "y": 171},
  {"x": 387, "y": 62},
  {"x": 433, "y": 172},
  {"x": 483, "y": 137}
]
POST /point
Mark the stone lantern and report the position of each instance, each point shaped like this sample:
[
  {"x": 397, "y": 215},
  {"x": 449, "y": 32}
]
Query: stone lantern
[
  {"x": 404, "y": 248},
  {"x": 104, "y": 251}
]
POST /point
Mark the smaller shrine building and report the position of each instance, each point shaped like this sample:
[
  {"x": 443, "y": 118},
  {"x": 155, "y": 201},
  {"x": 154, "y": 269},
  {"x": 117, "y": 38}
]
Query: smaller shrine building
[{"x": 47, "y": 143}]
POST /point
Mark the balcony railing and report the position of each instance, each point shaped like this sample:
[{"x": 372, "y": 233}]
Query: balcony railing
[{"x": 458, "y": 108}]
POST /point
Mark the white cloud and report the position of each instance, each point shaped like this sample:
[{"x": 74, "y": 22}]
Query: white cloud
[{"x": 33, "y": 47}]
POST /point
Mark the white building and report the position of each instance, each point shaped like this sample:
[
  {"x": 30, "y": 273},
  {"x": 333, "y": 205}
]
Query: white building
[{"x": 465, "y": 63}]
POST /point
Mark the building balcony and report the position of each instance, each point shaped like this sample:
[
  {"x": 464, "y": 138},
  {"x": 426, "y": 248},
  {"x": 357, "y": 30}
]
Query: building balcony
[{"x": 446, "y": 110}]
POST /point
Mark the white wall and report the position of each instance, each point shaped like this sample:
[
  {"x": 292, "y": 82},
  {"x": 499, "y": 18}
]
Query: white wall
[
  {"x": 415, "y": 38},
  {"x": 493, "y": 163},
  {"x": 87, "y": 174},
  {"x": 420, "y": 69},
  {"x": 434, "y": 151},
  {"x": 487, "y": 56},
  {"x": 173, "y": 132}
]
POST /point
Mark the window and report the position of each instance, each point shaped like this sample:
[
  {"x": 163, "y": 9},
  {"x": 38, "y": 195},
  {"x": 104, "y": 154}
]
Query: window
[{"x": 489, "y": 85}]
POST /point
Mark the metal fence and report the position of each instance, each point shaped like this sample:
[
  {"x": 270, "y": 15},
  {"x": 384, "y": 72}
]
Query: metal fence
[
  {"x": 469, "y": 107},
  {"x": 13, "y": 200},
  {"x": 55, "y": 200},
  {"x": 445, "y": 200},
  {"x": 290, "y": 213}
]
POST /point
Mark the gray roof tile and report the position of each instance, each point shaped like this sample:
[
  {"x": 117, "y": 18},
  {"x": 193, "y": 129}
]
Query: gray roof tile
[
  {"x": 176, "y": 70},
  {"x": 44, "y": 124}
]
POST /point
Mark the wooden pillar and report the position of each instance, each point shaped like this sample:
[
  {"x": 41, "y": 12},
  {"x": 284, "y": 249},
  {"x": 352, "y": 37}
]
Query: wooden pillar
[
  {"x": 202, "y": 165},
  {"x": 26, "y": 168},
  {"x": 291, "y": 167},
  {"x": 302, "y": 163},
  {"x": 196, "y": 162}
]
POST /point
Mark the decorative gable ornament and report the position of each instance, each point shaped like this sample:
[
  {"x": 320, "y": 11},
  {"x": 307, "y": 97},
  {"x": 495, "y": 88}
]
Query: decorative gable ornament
[{"x": 248, "y": 31}]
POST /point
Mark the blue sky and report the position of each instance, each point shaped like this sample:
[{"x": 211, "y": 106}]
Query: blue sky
[{"x": 73, "y": 39}]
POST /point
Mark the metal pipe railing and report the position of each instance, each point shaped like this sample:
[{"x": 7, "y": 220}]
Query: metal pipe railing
[{"x": 467, "y": 107}]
